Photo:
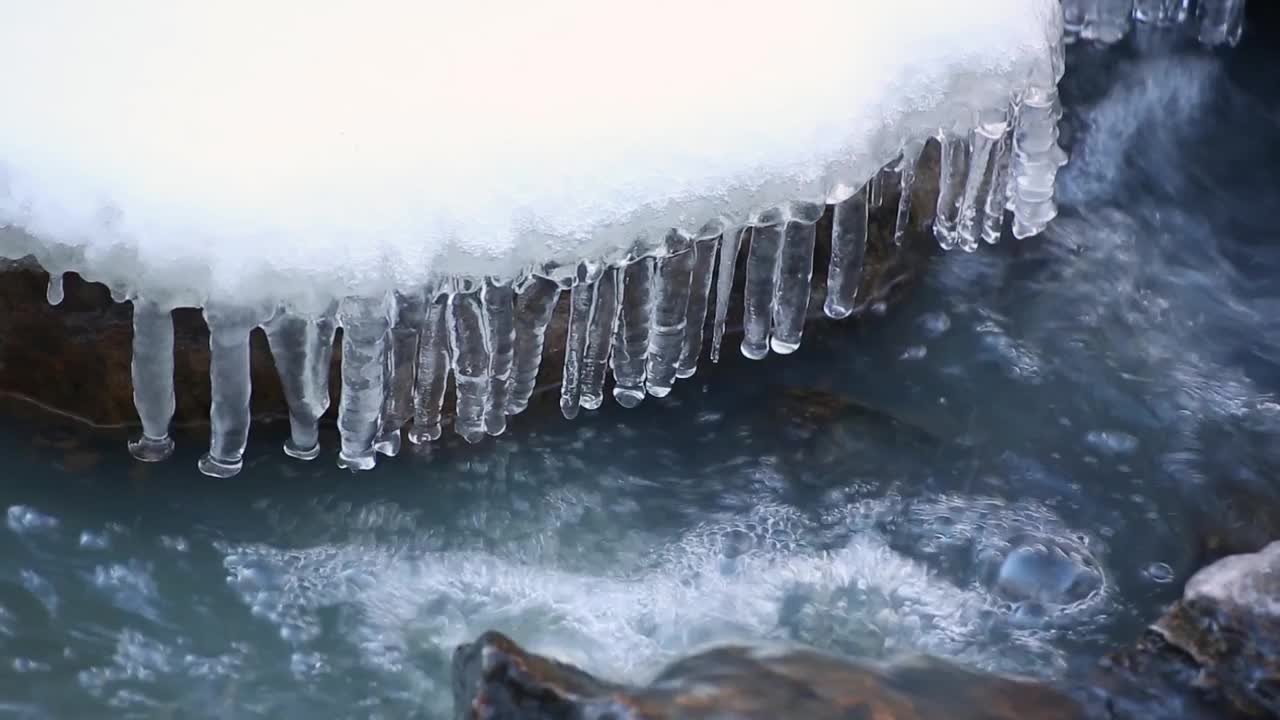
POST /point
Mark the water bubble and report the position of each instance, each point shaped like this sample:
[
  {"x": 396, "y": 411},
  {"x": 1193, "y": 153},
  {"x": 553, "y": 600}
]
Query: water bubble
[
  {"x": 1159, "y": 572},
  {"x": 915, "y": 352},
  {"x": 1044, "y": 571},
  {"x": 934, "y": 323}
]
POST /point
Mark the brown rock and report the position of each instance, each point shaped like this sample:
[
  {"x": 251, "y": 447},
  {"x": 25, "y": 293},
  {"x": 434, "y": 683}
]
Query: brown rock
[{"x": 497, "y": 680}]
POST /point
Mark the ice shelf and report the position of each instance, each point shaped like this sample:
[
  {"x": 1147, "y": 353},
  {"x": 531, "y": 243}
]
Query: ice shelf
[
  {"x": 1214, "y": 22},
  {"x": 432, "y": 179}
]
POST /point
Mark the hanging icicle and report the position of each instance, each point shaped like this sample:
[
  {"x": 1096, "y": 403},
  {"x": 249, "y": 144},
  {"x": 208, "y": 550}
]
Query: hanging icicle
[
  {"x": 670, "y": 307},
  {"x": 795, "y": 275},
  {"x": 366, "y": 325},
  {"x": 152, "y": 372},
  {"x": 302, "y": 348},
  {"x": 848, "y": 252},
  {"x": 432, "y": 373},
  {"x": 631, "y": 341},
  {"x": 230, "y": 386}
]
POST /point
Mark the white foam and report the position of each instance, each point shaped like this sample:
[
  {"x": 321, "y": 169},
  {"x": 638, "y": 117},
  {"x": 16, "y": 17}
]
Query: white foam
[{"x": 189, "y": 150}]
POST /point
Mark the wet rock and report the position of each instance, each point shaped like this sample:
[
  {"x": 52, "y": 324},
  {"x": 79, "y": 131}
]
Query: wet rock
[
  {"x": 1215, "y": 653},
  {"x": 495, "y": 679}
]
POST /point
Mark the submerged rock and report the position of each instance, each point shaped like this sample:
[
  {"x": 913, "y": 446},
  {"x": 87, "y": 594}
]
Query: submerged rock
[
  {"x": 498, "y": 680},
  {"x": 1214, "y": 654}
]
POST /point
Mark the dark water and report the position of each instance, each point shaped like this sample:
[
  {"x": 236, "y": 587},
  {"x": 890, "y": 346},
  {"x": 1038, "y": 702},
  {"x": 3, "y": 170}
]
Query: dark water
[{"x": 1016, "y": 467}]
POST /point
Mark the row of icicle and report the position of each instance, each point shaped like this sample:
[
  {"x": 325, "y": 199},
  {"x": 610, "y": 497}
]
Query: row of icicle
[
  {"x": 1217, "y": 22},
  {"x": 642, "y": 321}
]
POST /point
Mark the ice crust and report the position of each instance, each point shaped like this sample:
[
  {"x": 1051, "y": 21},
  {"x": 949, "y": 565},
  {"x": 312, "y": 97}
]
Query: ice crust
[{"x": 280, "y": 151}]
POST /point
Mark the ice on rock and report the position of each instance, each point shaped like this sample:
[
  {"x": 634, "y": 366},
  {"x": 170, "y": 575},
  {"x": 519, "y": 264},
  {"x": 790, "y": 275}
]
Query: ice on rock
[
  {"x": 437, "y": 213},
  {"x": 1217, "y": 22}
]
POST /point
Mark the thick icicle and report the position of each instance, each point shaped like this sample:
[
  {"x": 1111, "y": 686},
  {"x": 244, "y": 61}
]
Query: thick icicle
[
  {"x": 1107, "y": 21},
  {"x": 500, "y": 324},
  {"x": 432, "y": 372},
  {"x": 54, "y": 292},
  {"x": 581, "y": 300},
  {"x": 402, "y": 352},
  {"x": 695, "y": 317},
  {"x": 631, "y": 340},
  {"x": 302, "y": 347},
  {"x": 152, "y": 370},
  {"x": 468, "y": 338},
  {"x": 997, "y": 187},
  {"x": 535, "y": 304},
  {"x": 670, "y": 307},
  {"x": 1162, "y": 12},
  {"x": 951, "y": 180},
  {"x": 1036, "y": 159},
  {"x": 762, "y": 278},
  {"x": 366, "y": 325},
  {"x": 795, "y": 275},
  {"x": 1221, "y": 21},
  {"x": 978, "y": 186},
  {"x": 726, "y": 268},
  {"x": 848, "y": 250},
  {"x": 230, "y": 387},
  {"x": 907, "y": 180},
  {"x": 600, "y": 331}
]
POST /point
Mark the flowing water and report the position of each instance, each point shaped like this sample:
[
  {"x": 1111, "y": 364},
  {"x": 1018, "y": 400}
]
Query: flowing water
[{"x": 1017, "y": 467}]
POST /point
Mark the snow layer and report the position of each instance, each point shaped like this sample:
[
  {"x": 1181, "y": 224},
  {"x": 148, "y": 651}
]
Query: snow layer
[{"x": 188, "y": 150}]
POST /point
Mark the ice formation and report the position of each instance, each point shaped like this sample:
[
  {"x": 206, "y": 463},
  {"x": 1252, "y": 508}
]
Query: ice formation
[
  {"x": 432, "y": 178},
  {"x": 1215, "y": 22}
]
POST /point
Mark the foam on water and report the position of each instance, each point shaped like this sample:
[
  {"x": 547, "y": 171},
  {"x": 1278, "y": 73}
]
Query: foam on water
[{"x": 189, "y": 151}]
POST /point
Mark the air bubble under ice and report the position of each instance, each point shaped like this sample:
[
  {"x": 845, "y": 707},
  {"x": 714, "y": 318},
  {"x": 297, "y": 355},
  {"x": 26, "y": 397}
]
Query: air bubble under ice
[{"x": 432, "y": 178}]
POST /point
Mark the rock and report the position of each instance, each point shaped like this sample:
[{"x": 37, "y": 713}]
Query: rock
[
  {"x": 1215, "y": 653},
  {"x": 74, "y": 358},
  {"x": 495, "y": 679}
]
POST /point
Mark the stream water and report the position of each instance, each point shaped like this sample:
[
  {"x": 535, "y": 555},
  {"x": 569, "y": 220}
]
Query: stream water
[{"x": 1017, "y": 466}]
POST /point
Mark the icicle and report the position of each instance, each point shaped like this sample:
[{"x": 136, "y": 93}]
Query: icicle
[
  {"x": 955, "y": 170},
  {"x": 978, "y": 185},
  {"x": 402, "y": 352},
  {"x": 230, "y": 387},
  {"x": 534, "y": 306},
  {"x": 875, "y": 191},
  {"x": 730, "y": 243},
  {"x": 997, "y": 189},
  {"x": 670, "y": 308},
  {"x": 468, "y": 338},
  {"x": 600, "y": 330},
  {"x": 762, "y": 278},
  {"x": 1037, "y": 158},
  {"x": 1107, "y": 21},
  {"x": 795, "y": 274},
  {"x": 695, "y": 318},
  {"x": 1073, "y": 14},
  {"x": 1221, "y": 21},
  {"x": 54, "y": 293},
  {"x": 152, "y": 371},
  {"x": 581, "y": 300},
  {"x": 366, "y": 325},
  {"x": 1162, "y": 12},
  {"x": 631, "y": 339},
  {"x": 848, "y": 250},
  {"x": 500, "y": 324},
  {"x": 432, "y": 373},
  {"x": 302, "y": 347},
  {"x": 907, "y": 180}
]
